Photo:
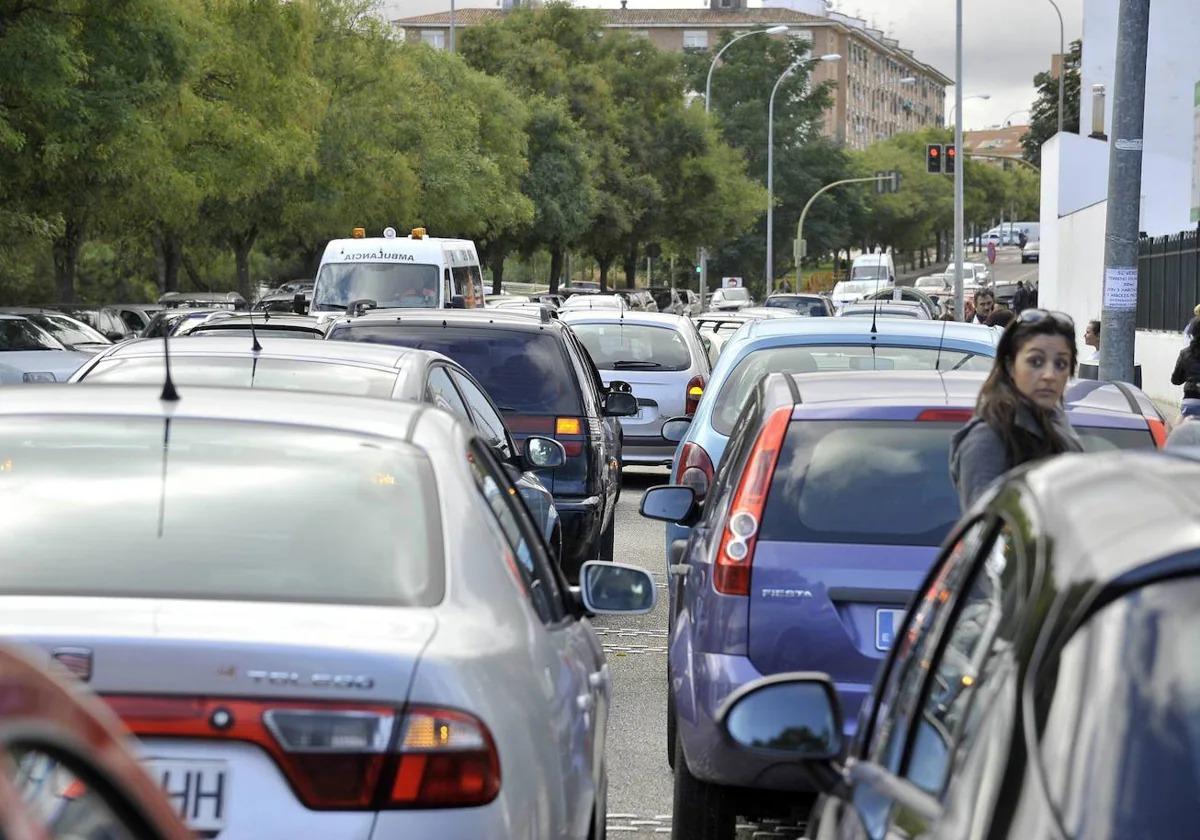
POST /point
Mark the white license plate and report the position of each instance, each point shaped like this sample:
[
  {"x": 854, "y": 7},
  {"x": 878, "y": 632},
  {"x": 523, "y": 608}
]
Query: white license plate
[
  {"x": 887, "y": 623},
  {"x": 198, "y": 789}
]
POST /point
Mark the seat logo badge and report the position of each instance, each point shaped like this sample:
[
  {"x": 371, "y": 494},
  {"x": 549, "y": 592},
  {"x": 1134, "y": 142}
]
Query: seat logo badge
[{"x": 787, "y": 594}]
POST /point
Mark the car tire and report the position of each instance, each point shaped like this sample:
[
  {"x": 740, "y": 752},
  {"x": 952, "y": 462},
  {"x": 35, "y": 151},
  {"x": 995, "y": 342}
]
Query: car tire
[
  {"x": 608, "y": 540},
  {"x": 700, "y": 811}
]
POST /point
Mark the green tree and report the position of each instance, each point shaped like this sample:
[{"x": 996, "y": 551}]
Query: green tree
[{"x": 1043, "y": 121}]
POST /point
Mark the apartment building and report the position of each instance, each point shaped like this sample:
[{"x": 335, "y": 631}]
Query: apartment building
[{"x": 879, "y": 88}]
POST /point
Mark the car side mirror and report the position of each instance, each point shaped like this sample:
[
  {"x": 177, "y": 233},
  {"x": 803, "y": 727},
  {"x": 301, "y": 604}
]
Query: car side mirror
[
  {"x": 457, "y": 302},
  {"x": 542, "y": 453},
  {"x": 670, "y": 503},
  {"x": 676, "y": 428},
  {"x": 794, "y": 715},
  {"x": 113, "y": 335},
  {"x": 299, "y": 305},
  {"x": 616, "y": 588},
  {"x": 620, "y": 404}
]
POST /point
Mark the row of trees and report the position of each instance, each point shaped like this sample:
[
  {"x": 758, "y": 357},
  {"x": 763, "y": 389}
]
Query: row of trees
[{"x": 148, "y": 145}]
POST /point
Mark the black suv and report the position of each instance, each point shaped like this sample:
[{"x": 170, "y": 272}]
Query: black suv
[{"x": 544, "y": 382}]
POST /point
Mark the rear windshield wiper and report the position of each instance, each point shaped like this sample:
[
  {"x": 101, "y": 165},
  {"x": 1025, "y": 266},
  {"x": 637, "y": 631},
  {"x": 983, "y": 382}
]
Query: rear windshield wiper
[{"x": 631, "y": 363}]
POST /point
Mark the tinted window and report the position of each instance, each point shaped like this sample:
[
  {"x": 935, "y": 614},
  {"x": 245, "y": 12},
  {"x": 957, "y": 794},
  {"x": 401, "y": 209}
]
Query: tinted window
[
  {"x": 388, "y": 284},
  {"x": 1121, "y": 740},
  {"x": 133, "y": 322},
  {"x": 616, "y": 346},
  {"x": 863, "y": 482},
  {"x": 233, "y": 372},
  {"x": 21, "y": 334},
  {"x": 224, "y": 510},
  {"x": 1097, "y": 439},
  {"x": 440, "y": 391},
  {"x": 487, "y": 421},
  {"x": 815, "y": 358},
  {"x": 68, "y": 331},
  {"x": 523, "y": 371}
]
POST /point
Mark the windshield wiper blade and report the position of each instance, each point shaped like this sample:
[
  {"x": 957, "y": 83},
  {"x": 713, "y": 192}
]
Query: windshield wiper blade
[{"x": 632, "y": 363}]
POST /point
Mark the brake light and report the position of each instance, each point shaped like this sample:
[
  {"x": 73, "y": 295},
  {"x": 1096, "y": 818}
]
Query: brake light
[
  {"x": 731, "y": 572},
  {"x": 339, "y": 756},
  {"x": 1158, "y": 431},
  {"x": 695, "y": 390},
  {"x": 570, "y": 427},
  {"x": 694, "y": 469},
  {"x": 945, "y": 415}
]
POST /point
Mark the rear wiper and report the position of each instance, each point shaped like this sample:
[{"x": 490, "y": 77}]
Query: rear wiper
[{"x": 631, "y": 363}]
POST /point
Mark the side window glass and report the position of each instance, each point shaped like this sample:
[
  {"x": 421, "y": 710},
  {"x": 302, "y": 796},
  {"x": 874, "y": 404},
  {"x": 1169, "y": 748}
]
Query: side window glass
[
  {"x": 487, "y": 419},
  {"x": 448, "y": 290},
  {"x": 528, "y": 559},
  {"x": 132, "y": 322},
  {"x": 440, "y": 391},
  {"x": 725, "y": 480},
  {"x": 977, "y": 643},
  {"x": 914, "y": 647},
  {"x": 589, "y": 380}
]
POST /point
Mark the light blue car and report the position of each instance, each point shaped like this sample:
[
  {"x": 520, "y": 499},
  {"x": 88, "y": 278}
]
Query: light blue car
[
  {"x": 30, "y": 354},
  {"x": 808, "y": 345}
]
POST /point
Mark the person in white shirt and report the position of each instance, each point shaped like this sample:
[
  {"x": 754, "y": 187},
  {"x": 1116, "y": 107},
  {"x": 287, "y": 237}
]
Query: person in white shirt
[{"x": 1091, "y": 337}]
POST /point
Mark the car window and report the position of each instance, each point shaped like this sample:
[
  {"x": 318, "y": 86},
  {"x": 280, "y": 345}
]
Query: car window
[
  {"x": 915, "y": 641},
  {"x": 589, "y": 378},
  {"x": 487, "y": 419},
  {"x": 1099, "y": 439},
  {"x": 133, "y": 323},
  {"x": 22, "y": 334},
  {"x": 73, "y": 332},
  {"x": 617, "y": 345},
  {"x": 528, "y": 560},
  {"x": 440, "y": 391},
  {"x": 814, "y": 358},
  {"x": 977, "y": 645}
]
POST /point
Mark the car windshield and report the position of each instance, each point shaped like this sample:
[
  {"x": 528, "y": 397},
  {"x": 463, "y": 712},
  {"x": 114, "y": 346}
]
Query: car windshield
[
  {"x": 799, "y": 305},
  {"x": 249, "y": 372},
  {"x": 68, "y": 331},
  {"x": 594, "y": 302},
  {"x": 813, "y": 358},
  {"x": 851, "y": 481},
  {"x": 524, "y": 371},
  {"x": 735, "y": 294},
  {"x": 313, "y": 517},
  {"x": 615, "y": 346},
  {"x": 873, "y": 271},
  {"x": 389, "y": 284},
  {"x": 23, "y": 334},
  {"x": 931, "y": 283}
]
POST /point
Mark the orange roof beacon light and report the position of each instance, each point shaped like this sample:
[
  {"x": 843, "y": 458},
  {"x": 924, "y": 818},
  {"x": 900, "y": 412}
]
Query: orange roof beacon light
[
  {"x": 418, "y": 233},
  {"x": 358, "y": 233}
]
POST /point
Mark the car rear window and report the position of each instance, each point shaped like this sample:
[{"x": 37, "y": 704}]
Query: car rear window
[
  {"x": 222, "y": 510},
  {"x": 662, "y": 297},
  {"x": 1100, "y": 439},
  {"x": 850, "y": 481},
  {"x": 524, "y": 371},
  {"x": 820, "y": 358},
  {"x": 621, "y": 346}
]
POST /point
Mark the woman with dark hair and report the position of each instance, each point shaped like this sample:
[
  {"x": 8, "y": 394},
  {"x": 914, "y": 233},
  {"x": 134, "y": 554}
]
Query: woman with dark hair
[
  {"x": 1187, "y": 368},
  {"x": 1019, "y": 416}
]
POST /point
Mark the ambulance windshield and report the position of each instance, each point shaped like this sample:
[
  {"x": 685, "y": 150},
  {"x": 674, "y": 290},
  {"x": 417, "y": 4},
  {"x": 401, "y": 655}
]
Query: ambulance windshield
[{"x": 389, "y": 284}]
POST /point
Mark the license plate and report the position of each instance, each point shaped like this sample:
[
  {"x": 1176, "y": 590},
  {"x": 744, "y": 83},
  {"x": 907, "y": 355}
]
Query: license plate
[
  {"x": 197, "y": 788},
  {"x": 887, "y": 622}
]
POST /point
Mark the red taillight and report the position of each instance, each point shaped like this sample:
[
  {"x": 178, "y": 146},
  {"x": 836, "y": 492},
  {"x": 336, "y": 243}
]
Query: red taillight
[
  {"x": 336, "y": 756},
  {"x": 694, "y": 469},
  {"x": 1158, "y": 431},
  {"x": 731, "y": 572},
  {"x": 570, "y": 431},
  {"x": 945, "y": 415},
  {"x": 692, "y": 395},
  {"x": 447, "y": 760}
]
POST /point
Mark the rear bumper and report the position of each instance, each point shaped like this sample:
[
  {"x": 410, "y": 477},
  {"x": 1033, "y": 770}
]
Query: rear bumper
[
  {"x": 653, "y": 450},
  {"x": 581, "y": 520}
]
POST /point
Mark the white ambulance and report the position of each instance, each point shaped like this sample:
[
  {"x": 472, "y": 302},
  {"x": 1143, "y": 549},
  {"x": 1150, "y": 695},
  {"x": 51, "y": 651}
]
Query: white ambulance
[{"x": 414, "y": 271}]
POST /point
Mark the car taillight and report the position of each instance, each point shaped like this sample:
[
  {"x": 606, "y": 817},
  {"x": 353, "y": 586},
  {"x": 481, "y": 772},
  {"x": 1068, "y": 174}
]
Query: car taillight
[
  {"x": 570, "y": 432},
  {"x": 945, "y": 415},
  {"x": 695, "y": 390},
  {"x": 1158, "y": 431},
  {"x": 340, "y": 756},
  {"x": 694, "y": 469},
  {"x": 731, "y": 572}
]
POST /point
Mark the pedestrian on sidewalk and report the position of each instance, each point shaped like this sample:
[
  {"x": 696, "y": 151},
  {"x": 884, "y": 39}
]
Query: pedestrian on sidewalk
[
  {"x": 991, "y": 252},
  {"x": 1020, "y": 300},
  {"x": 1019, "y": 416},
  {"x": 985, "y": 305},
  {"x": 1091, "y": 337},
  {"x": 1187, "y": 368}
]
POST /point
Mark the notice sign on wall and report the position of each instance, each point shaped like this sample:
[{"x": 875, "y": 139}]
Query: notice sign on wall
[
  {"x": 1196, "y": 153},
  {"x": 1120, "y": 288}
]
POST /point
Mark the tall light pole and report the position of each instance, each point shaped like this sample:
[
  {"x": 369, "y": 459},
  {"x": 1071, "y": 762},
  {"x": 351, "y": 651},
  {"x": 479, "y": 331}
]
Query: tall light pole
[
  {"x": 778, "y": 29},
  {"x": 957, "y": 106},
  {"x": 959, "y": 165},
  {"x": 452, "y": 48},
  {"x": 770, "y": 273},
  {"x": 1062, "y": 62}
]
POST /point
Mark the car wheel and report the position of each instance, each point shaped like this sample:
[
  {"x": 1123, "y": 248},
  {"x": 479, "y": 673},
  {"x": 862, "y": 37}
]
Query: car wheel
[
  {"x": 700, "y": 811},
  {"x": 608, "y": 540}
]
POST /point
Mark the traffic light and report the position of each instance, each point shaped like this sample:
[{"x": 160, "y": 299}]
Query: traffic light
[
  {"x": 933, "y": 158},
  {"x": 951, "y": 158}
]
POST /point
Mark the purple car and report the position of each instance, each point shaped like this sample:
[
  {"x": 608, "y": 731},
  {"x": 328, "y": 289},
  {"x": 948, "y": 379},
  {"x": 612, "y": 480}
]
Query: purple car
[{"x": 823, "y": 518}]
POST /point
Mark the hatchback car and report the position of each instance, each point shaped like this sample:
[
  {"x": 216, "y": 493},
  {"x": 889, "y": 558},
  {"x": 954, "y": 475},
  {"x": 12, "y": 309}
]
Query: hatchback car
[
  {"x": 813, "y": 306},
  {"x": 289, "y": 364},
  {"x": 1044, "y": 682},
  {"x": 822, "y": 520},
  {"x": 639, "y": 300},
  {"x": 675, "y": 301},
  {"x": 906, "y": 294},
  {"x": 30, "y": 354},
  {"x": 70, "y": 332},
  {"x": 662, "y": 360},
  {"x": 264, "y": 325},
  {"x": 730, "y": 300},
  {"x": 544, "y": 383},
  {"x": 330, "y": 616},
  {"x": 886, "y": 309},
  {"x": 593, "y": 301}
]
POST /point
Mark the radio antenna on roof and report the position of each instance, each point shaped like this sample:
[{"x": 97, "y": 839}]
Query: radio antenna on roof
[
  {"x": 169, "y": 394},
  {"x": 255, "y": 347}
]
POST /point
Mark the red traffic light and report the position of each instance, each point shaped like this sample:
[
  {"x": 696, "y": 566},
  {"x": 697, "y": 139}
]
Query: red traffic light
[
  {"x": 933, "y": 158},
  {"x": 951, "y": 158}
]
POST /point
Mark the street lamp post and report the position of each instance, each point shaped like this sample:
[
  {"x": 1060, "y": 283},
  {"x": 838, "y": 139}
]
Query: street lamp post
[
  {"x": 770, "y": 274},
  {"x": 804, "y": 215},
  {"x": 1062, "y": 66},
  {"x": 778, "y": 29},
  {"x": 954, "y": 109},
  {"x": 452, "y": 47},
  {"x": 959, "y": 166}
]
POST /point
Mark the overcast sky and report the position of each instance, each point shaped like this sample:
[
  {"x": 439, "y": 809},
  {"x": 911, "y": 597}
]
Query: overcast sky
[{"x": 1005, "y": 43}]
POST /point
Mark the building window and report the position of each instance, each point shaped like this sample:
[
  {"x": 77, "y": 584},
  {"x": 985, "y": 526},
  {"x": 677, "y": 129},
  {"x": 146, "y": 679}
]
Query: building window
[
  {"x": 695, "y": 39},
  {"x": 726, "y": 4},
  {"x": 435, "y": 38}
]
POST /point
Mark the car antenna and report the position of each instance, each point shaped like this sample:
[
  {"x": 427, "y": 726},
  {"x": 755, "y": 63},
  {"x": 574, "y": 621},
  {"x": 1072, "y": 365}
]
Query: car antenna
[
  {"x": 875, "y": 314},
  {"x": 169, "y": 394},
  {"x": 937, "y": 362},
  {"x": 255, "y": 347}
]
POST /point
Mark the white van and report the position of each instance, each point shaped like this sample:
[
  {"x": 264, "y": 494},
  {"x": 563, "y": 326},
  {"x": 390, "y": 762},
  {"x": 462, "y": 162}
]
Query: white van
[
  {"x": 415, "y": 271},
  {"x": 869, "y": 273}
]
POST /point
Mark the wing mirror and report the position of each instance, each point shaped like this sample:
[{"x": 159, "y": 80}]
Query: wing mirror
[
  {"x": 620, "y": 404},
  {"x": 299, "y": 304},
  {"x": 671, "y": 503},
  {"x": 113, "y": 335},
  {"x": 795, "y": 716},
  {"x": 615, "y": 588},
  {"x": 676, "y": 428},
  {"x": 542, "y": 453}
]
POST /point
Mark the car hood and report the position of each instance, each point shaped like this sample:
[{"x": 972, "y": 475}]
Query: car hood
[{"x": 14, "y": 364}]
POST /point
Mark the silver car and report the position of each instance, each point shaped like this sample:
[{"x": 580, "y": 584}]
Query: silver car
[
  {"x": 664, "y": 362},
  {"x": 364, "y": 370},
  {"x": 30, "y": 354},
  {"x": 321, "y": 616}
]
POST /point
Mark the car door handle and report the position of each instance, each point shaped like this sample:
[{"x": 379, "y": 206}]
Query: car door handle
[{"x": 597, "y": 679}]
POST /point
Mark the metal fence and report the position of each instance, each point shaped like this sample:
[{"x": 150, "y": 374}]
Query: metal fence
[{"x": 1168, "y": 280}]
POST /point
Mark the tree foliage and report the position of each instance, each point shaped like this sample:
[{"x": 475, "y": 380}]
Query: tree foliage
[{"x": 1043, "y": 117}]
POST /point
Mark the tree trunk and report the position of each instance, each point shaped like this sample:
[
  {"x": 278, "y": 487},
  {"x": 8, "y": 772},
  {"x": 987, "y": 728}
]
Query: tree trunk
[
  {"x": 193, "y": 274},
  {"x": 312, "y": 259},
  {"x": 629, "y": 263},
  {"x": 243, "y": 243},
  {"x": 168, "y": 252},
  {"x": 66, "y": 259},
  {"x": 556, "y": 265},
  {"x": 604, "y": 263},
  {"x": 496, "y": 263}
]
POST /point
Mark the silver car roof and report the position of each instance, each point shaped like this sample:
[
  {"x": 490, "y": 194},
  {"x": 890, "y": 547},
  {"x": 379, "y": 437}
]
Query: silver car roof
[
  {"x": 627, "y": 316},
  {"x": 384, "y": 356}
]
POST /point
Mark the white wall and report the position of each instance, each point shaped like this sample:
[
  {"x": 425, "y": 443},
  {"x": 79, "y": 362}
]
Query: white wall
[{"x": 1172, "y": 70}]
